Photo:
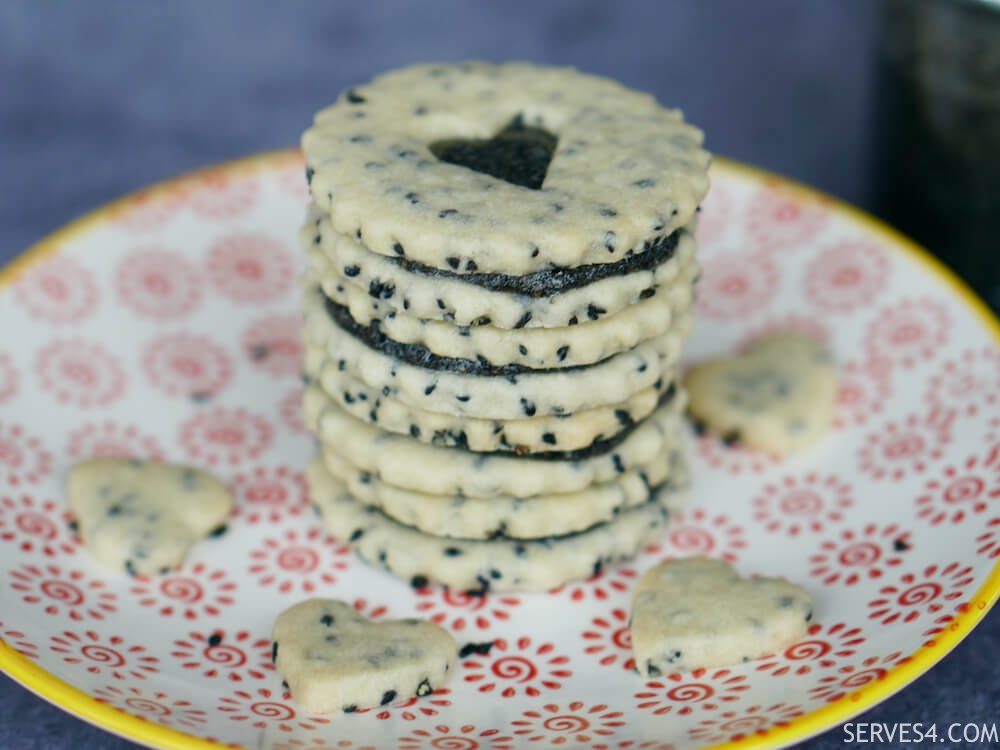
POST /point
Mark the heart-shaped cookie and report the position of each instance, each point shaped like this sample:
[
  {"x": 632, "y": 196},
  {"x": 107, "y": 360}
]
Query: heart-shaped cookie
[
  {"x": 143, "y": 516},
  {"x": 333, "y": 658},
  {"x": 518, "y": 154},
  {"x": 778, "y": 397},
  {"x": 697, "y": 612}
]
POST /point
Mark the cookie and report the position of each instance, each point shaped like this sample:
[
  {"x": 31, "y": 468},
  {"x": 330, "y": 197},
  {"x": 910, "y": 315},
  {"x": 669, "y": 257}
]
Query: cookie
[
  {"x": 779, "y": 397},
  {"x": 479, "y": 566},
  {"x": 433, "y": 159},
  {"x": 406, "y": 462},
  {"x": 575, "y": 431},
  {"x": 342, "y": 262},
  {"x": 334, "y": 659},
  {"x": 505, "y": 516},
  {"x": 695, "y": 612},
  {"x": 537, "y": 348},
  {"x": 142, "y": 517},
  {"x": 444, "y": 384}
]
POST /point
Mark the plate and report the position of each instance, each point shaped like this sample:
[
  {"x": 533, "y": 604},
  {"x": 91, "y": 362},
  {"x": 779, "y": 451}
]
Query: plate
[{"x": 165, "y": 325}]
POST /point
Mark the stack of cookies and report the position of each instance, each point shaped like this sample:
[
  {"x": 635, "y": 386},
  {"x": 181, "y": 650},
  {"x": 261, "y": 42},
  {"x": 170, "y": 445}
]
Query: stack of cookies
[{"x": 501, "y": 267}]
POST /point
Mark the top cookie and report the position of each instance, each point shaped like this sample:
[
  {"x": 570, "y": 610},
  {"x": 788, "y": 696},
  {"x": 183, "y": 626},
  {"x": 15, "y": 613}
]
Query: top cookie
[{"x": 387, "y": 160}]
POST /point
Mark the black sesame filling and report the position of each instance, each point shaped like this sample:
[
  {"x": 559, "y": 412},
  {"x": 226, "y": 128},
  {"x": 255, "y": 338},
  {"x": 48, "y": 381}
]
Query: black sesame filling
[
  {"x": 419, "y": 355},
  {"x": 552, "y": 281}
]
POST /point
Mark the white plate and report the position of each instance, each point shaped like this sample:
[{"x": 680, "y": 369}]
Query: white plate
[{"x": 165, "y": 325}]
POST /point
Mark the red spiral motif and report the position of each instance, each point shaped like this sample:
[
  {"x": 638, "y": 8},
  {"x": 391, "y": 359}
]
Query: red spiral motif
[
  {"x": 863, "y": 678},
  {"x": 808, "y": 650},
  {"x": 297, "y": 559},
  {"x": 270, "y": 491},
  {"x": 272, "y": 710},
  {"x": 566, "y": 723},
  {"x": 146, "y": 706},
  {"x": 801, "y": 502},
  {"x": 965, "y": 488},
  {"x": 182, "y": 589},
  {"x": 622, "y": 638},
  {"x": 103, "y": 655},
  {"x": 226, "y": 655},
  {"x": 691, "y": 539},
  {"x": 514, "y": 668},
  {"x": 904, "y": 445},
  {"x": 62, "y": 591},
  {"x": 36, "y": 524},
  {"x": 692, "y": 692},
  {"x": 464, "y": 600},
  {"x": 745, "y": 724},
  {"x": 860, "y": 554},
  {"x": 922, "y": 592},
  {"x": 454, "y": 743}
]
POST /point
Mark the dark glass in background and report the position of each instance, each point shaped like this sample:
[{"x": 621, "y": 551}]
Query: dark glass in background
[{"x": 941, "y": 129}]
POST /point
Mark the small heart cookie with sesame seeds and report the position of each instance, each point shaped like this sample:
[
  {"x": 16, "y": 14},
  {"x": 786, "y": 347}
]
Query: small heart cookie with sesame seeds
[
  {"x": 143, "y": 516},
  {"x": 697, "y": 612},
  {"x": 335, "y": 659},
  {"x": 779, "y": 397}
]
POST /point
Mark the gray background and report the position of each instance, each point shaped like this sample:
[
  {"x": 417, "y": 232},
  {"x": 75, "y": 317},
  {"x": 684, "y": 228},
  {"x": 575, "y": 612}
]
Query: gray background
[{"x": 99, "y": 98}]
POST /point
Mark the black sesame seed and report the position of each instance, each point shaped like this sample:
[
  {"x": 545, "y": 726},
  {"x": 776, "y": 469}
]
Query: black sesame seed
[
  {"x": 522, "y": 349},
  {"x": 462, "y": 397},
  {"x": 352, "y": 271},
  {"x": 453, "y": 261},
  {"x": 594, "y": 312},
  {"x": 573, "y": 321},
  {"x": 471, "y": 266},
  {"x": 414, "y": 431},
  {"x": 309, "y": 175},
  {"x": 218, "y": 531},
  {"x": 523, "y": 320},
  {"x": 527, "y": 407},
  {"x": 215, "y": 639},
  {"x": 549, "y": 438},
  {"x": 452, "y": 551},
  {"x": 446, "y": 213},
  {"x": 274, "y": 652},
  {"x": 731, "y": 438},
  {"x": 616, "y": 460},
  {"x": 130, "y": 568},
  {"x": 424, "y": 688},
  {"x": 561, "y": 352},
  {"x": 652, "y": 670},
  {"x": 418, "y": 582},
  {"x": 356, "y": 535},
  {"x": 647, "y": 293},
  {"x": 350, "y": 709},
  {"x": 388, "y": 697},
  {"x": 354, "y": 97},
  {"x": 647, "y": 183},
  {"x": 430, "y": 389},
  {"x": 900, "y": 545},
  {"x": 483, "y": 649},
  {"x": 326, "y": 620}
]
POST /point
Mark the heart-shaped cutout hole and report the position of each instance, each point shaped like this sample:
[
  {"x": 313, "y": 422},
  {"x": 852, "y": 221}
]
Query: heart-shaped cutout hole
[
  {"x": 697, "y": 612},
  {"x": 519, "y": 154}
]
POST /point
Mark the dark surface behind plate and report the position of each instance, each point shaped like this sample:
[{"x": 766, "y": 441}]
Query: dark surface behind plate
[{"x": 103, "y": 98}]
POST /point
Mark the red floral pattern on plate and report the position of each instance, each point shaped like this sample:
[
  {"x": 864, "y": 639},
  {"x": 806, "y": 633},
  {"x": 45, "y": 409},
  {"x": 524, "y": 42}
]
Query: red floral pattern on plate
[
  {"x": 153, "y": 705},
  {"x": 36, "y": 525},
  {"x": 900, "y": 448},
  {"x": 274, "y": 344},
  {"x": 263, "y": 708},
  {"x": 821, "y": 648},
  {"x": 300, "y": 562},
  {"x": 925, "y": 592},
  {"x": 779, "y": 219},
  {"x": 736, "y": 285},
  {"x": 79, "y": 373},
  {"x": 462, "y": 737},
  {"x": 803, "y": 504},
  {"x": 235, "y": 656},
  {"x": 23, "y": 459},
  {"x": 695, "y": 532},
  {"x": 181, "y": 364},
  {"x": 114, "y": 440},
  {"x": 196, "y": 592},
  {"x": 105, "y": 654},
  {"x": 517, "y": 667},
  {"x": 8, "y": 378},
  {"x": 227, "y": 436},
  {"x": 605, "y": 585},
  {"x": 218, "y": 195},
  {"x": 159, "y": 284},
  {"x": 290, "y": 411},
  {"x": 250, "y": 268},
  {"x": 857, "y": 555},
  {"x": 909, "y": 332},
  {"x": 863, "y": 389},
  {"x": 18, "y": 641},
  {"x": 850, "y": 677},
  {"x": 63, "y": 593},
  {"x": 576, "y": 723},
  {"x": 57, "y": 290},
  {"x": 988, "y": 543},
  {"x": 967, "y": 384},
  {"x": 737, "y": 725},
  {"x": 459, "y": 610},
  {"x": 846, "y": 275},
  {"x": 609, "y": 639},
  {"x": 268, "y": 495},
  {"x": 698, "y": 690},
  {"x": 959, "y": 491}
]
